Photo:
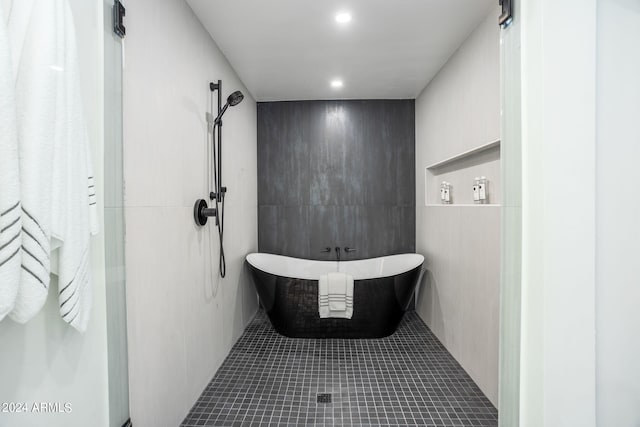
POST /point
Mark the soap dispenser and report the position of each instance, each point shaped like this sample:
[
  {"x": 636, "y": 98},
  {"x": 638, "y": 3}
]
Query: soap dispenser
[
  {"x": 476, "y": 190},
  {"x": 483, "y": 191},
  {"x": 447, "y": 193}
]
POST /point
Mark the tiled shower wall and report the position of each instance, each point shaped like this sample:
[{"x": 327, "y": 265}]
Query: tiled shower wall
[
  {"x": 459, "y": 297},
  {"x": 336, "y": 173},
  {"x": 182, "y": 318}
]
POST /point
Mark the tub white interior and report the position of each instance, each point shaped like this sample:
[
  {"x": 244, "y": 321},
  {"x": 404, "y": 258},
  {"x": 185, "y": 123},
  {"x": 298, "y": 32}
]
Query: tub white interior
[{"x": 371, "y": 268}]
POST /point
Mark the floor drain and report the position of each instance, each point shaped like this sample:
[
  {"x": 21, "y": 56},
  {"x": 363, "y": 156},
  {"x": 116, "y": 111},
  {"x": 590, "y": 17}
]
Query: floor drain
[{"x": 324, "y": 398}]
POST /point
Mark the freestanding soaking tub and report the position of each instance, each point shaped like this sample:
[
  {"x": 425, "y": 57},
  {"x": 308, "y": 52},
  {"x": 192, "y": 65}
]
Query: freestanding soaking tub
[{"x": 288, "y": 290}]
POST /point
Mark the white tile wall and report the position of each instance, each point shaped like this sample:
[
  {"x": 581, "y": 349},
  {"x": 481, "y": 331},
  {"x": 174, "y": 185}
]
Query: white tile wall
[
  {"x": 182, "y": 318},
  {"x": 463, "y": 99},
  {"x": 459, "y": 297}
]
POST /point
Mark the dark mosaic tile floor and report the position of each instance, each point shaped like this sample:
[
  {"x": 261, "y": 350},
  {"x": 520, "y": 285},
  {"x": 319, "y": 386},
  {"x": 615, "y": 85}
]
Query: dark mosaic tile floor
[{"x": 406, "y": 379}]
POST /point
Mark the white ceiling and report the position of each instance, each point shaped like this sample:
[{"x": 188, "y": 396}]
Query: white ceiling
[{"x": 292, "y": 49}]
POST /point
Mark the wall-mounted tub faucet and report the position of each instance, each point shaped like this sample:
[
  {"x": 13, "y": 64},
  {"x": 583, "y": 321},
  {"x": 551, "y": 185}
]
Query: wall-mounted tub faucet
[{"x": 338, "y": 252}]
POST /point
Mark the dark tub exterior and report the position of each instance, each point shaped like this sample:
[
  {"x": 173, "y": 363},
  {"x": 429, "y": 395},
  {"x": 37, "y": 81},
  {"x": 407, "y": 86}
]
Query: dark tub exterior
[{"x": 292, "y": 305}]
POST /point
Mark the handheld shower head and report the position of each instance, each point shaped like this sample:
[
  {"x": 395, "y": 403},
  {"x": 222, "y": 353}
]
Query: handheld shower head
[
  {"x": 234, "y": 99},
  {"x": 217, "y": 190}
]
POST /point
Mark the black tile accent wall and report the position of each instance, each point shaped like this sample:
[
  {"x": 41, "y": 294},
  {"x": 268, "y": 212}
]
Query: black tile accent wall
[{"x": 336, "y": 173}]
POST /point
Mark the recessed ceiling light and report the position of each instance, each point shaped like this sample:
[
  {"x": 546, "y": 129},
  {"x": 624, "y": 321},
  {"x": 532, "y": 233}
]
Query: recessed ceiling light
[
  {"x": 336, "y": 83},
  {"x": 343, "y": 17}
]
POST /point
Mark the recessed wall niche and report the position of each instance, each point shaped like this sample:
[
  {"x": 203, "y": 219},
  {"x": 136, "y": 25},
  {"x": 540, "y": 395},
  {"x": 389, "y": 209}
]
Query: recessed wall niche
[{"x": 460, "y": 171}]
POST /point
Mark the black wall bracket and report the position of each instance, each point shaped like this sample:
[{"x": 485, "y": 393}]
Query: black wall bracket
[
  {"x": 118, "y": 19},
  {"x": 507, "y": 13}
]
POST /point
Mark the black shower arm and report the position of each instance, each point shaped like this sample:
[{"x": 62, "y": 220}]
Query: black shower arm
[{"x": 218, "y": 120}]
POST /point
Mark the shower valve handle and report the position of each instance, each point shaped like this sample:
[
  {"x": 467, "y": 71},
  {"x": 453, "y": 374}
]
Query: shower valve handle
[
  {"x": 201, "y": 212},
  {"x": 347, "y": 249},
  {"x": 327, "y": 249}
]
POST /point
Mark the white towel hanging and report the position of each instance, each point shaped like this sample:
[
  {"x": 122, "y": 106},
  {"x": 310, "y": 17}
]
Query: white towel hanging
[
  {"x": 59, "y": 200},
  {"x": 10, "y": 211},
  {"x": 35, "y": 48},
  {"x": 335, "y": 296},
  {"x": 74, "y": 196}
]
